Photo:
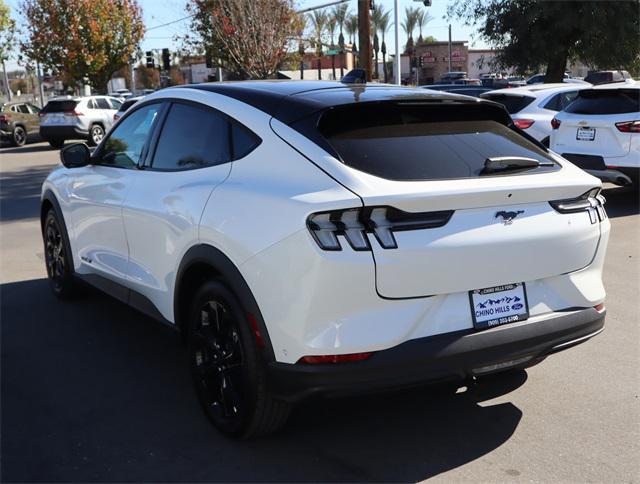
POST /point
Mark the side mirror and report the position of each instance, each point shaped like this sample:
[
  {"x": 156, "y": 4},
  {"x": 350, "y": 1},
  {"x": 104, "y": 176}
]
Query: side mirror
[{"x": 75, "y": 155}]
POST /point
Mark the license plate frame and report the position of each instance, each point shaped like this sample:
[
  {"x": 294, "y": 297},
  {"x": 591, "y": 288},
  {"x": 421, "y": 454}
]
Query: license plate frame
[
  {"x": 586, "y": 134},
  {"x": 502, "y": 309}
]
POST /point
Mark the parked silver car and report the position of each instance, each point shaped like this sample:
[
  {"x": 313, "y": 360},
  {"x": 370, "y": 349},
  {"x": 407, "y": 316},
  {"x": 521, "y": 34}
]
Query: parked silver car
[{"x": 87, "y": 118}]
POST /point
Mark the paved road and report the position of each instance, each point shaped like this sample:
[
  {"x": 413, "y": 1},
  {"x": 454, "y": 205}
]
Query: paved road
[{"x": 92, "y": 391}]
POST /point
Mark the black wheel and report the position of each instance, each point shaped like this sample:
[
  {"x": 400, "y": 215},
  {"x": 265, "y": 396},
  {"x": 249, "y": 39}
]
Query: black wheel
[
  {"x": 58, "y": 258},
  {"x": 19, "y": 136},
  {"x": 227, "y": 368},
  {"x": 96, "y": 133},
  {"x": 56, "y": 143}
]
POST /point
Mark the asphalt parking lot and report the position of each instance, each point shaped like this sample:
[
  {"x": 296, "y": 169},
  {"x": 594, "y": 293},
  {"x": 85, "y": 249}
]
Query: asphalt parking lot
[{"x": 93, "y": 391}]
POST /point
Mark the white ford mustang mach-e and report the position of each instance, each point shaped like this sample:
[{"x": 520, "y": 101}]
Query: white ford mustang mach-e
[{"x": 316, "y": 238}]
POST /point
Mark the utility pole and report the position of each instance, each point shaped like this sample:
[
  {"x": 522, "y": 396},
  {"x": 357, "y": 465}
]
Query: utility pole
[
  {"x": 40, "y": 87},
  {"x": 133, "y": 76},
  {"x": 396, "y": 63},
  {"x": 364, "y": 36},
  {"x": 449, "y": 47},
  {"x": 6, "y": 81}
]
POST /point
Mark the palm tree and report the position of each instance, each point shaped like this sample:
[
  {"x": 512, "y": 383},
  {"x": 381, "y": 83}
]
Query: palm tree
[
  {"x": 351, "y": 26},
  {"x": 376, "y": 18},
  {"x": 340, "y": 14},
  {"x": 383, "y": 27},
  {"x": 318, "y": 20},
  {"x": 331, "y": 29},
  {"x": 422, "y": 19},
  {"x": 409, "y": 25}
]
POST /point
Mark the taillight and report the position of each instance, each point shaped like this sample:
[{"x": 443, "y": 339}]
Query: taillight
[
  {"x": 555, "y": 123},
  {"x": 523, "y": 123},
  {"x": 629, "y": 126},
  {"x": 355, "y": 223},
  {"x": 335, "y": 358},
  {"x": 599, "y": 307},
  {"x": 4, "y": 118},
  {"x": 591, "y": 202},
  {"x": 73, "y": 113},
  {"x": 116, "y": 117}
]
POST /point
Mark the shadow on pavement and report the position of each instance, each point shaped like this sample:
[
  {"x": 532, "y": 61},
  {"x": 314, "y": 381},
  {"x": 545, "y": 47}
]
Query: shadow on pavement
[
  {"x": 93, "y": 391},
  {"x": 20, "y": 193},
  {"x": 35, "y": 148},
  {"x": 622, "y": 201}
]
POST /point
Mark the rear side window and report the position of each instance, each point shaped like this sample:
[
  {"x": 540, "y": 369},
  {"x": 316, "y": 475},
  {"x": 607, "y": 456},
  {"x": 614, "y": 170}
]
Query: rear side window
[
  {"x": 115, "y": 104},
  {"x": 560, "y": 100},
  {"x": 59, "y": 106},
  {"x": 102, "y": 103},
  {"x": 127, "y": 104},
  {"x": 407, "y": 143},
  {"x": 243, "y": 141},
  {"x": 192, "y": 137},
  {"x": 606, "y": 101},
  {"x": 513, "y": 104}
]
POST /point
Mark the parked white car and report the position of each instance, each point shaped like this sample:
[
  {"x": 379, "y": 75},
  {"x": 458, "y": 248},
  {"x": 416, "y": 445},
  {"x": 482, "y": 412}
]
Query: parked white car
[
  {"x": 87, "y": 118},
  {"x": 600, "y": 132},
  {"x": 533, "y": 107},
  {"x": 316, "y": 238}
]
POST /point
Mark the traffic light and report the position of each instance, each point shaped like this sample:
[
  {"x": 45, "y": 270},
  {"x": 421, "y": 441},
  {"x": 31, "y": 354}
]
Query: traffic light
[
  {"x": 166, "y": 60},
  {"x": 421, "y": 61},
  {"x": 427, "y": 3},
  {"x": 150, "y": 61}
]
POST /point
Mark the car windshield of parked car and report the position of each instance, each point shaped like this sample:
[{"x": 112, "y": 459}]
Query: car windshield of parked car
[
  {"x": 410, "y": 142},
  {"x": 606, "y": 101}
]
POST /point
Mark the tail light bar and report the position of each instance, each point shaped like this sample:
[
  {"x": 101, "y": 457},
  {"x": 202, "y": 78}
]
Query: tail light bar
[
  {"x": 591, "y": 202},
  {"x": 523, "y": 123},
  {"x": 629, "y": 126},
  {"x": 73, "y": 113},
  {"x": 555, "y": 123},
  {"x": 4, "y": 118},
  {"x": 355, "y": 223}
]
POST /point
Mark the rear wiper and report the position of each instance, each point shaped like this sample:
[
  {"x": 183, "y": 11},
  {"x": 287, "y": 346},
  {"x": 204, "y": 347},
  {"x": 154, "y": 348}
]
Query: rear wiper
[{"x": 505, "y": 163}]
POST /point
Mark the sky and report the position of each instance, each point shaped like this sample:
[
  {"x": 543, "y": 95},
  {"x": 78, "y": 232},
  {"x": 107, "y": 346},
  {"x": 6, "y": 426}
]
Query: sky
[{"x": 158, "y": 12}]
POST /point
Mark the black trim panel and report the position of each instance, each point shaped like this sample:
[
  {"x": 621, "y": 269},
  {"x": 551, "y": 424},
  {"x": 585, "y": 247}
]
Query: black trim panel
[{"x": 451, "y": 356}]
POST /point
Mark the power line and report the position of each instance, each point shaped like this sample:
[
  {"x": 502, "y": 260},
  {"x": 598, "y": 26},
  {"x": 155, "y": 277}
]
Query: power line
[{"x": 170, "y": 23}]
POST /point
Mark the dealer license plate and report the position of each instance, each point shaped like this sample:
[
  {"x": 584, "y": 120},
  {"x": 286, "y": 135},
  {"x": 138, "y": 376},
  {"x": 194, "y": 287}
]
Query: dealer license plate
[
  {"x": 586, "y": 134},
  {"x": 493, "y": 306}
]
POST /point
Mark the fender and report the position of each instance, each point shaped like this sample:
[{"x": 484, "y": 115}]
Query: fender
[{"x": 229, "y": 274}]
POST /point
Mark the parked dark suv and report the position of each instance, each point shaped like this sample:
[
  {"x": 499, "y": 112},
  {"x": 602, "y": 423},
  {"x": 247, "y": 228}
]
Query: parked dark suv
[
  {"x": 18, "y": 121},
  {"x": 604, "y": 77}
]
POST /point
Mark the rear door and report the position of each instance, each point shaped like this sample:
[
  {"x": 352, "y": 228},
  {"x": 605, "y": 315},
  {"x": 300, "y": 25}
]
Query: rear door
[
  {"x": 589, "y": 125},
  {"x": 440, "y": 222}
]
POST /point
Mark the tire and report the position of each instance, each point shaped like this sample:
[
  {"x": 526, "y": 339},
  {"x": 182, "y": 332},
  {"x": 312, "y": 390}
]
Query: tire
[
  {"x": 56, "y": 143},
  {"x": 228, "y": 371},
  {"x": 58, "y": 260},
  {"x": 96, "y": 133},
  {"x": 19, "y": 136}
]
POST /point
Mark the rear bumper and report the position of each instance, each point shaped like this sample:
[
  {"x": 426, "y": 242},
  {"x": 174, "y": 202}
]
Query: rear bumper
[
  {"x": 63, "y": 132},
  {"x": 607, "y": 169},
  {"x": 452, "y": 356}
]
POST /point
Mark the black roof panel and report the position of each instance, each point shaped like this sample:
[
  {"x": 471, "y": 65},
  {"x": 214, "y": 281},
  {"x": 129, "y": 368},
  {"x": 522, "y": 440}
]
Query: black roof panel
[{"x": 289, "y": 101}]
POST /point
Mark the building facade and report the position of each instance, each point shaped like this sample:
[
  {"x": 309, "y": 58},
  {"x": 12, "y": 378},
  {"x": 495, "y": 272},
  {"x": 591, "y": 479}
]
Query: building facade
[{"x": 435, "y": 60}]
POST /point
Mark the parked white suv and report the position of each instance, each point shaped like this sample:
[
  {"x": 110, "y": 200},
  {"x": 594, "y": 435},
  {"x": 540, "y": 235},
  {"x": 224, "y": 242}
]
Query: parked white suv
[
  {"x": 533, "y": 107},
  {"x": 315, "y": 238},
  {"x": 87, "y": 118},
  {"x": 600, "y": 132}
]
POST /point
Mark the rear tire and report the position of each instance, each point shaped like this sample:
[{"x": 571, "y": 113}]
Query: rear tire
[
  {"x": 19, "y": 136},
  {"x": 58, "y": 259},
  {"x": 96, "y": 133},
  {"x": 228, "y": 370},
  {"x": 56, "y": 143}
]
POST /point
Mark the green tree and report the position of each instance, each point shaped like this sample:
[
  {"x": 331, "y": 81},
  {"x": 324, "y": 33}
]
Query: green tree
[
  {"x": 82, "y": 38},
  {"x": 422, "y": 19},
  {"x": 7, "y": 32},
  {"x": 379, "y": 19},
  {"x": 409, "y": 25},
  {"x": 319, "y": 20},
  {"x": 249, "y": 37},
  {"x": 530, "y": 34}
]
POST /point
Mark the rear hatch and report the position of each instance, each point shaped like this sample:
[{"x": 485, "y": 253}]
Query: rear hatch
[
  {"x": 589, "y": 125},
  {"x": 513, "y": 102},
  {"x": 439, "y": 220},
  {"x": 58, "y": 112}
]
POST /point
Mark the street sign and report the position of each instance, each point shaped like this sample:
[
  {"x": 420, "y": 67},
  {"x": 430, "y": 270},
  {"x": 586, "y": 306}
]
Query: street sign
[{"x": 333, "y": 52}]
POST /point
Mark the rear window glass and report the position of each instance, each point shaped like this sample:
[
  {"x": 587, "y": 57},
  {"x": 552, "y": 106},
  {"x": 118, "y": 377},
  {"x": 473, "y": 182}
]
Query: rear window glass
[
  {"x": 407, "y": 143},
  {"x": 513, "y": 104},
  {"x": 127, "y": 104},
  {"x": 60, "y": 106},
  {"x": 614, "y": 101}
]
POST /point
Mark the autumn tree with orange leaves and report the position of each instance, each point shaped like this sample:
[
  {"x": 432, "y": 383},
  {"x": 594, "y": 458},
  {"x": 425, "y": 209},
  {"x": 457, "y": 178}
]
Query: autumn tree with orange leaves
[
  {"x": 82, "y": 38},
  {"x": 250, "y": 37}
]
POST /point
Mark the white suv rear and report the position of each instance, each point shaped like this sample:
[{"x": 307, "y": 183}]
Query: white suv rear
[
  {"x": 600, "y": 132},
  {"x": 315, "y": 238},
  {"x": 86, "y": 118}
]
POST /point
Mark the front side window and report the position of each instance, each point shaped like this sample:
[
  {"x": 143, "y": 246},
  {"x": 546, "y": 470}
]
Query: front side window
[
  {"x": 115, "y": 104},
  {"x": 123, "y": 147},
  {"x": 192, "y": 137}
]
